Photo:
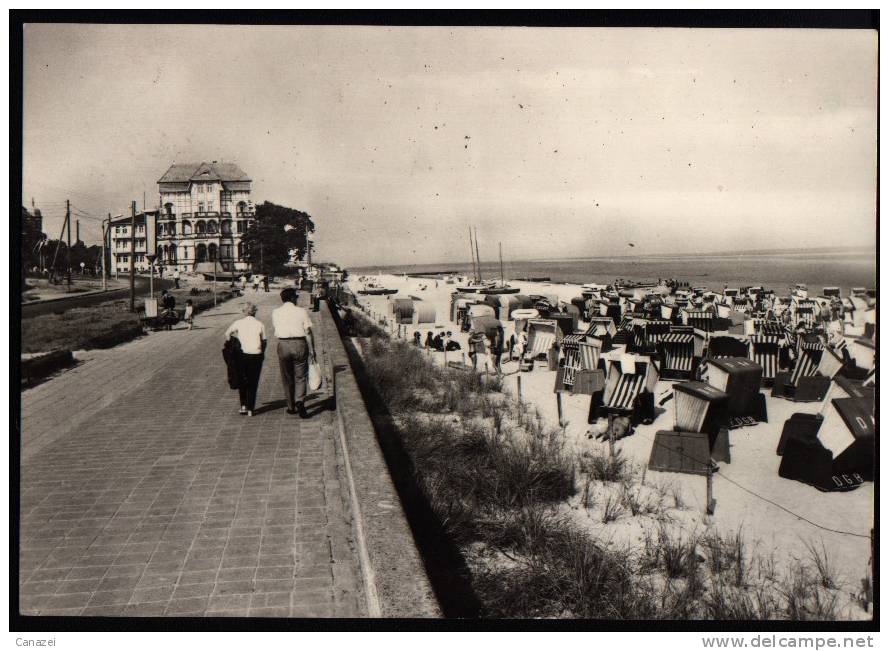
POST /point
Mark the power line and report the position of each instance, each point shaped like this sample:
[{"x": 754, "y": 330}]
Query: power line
[{"x": 752, "y": 492}]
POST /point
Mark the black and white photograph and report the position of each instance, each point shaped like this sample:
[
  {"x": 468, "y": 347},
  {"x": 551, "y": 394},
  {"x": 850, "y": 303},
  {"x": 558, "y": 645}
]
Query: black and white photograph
[{"x": 464, "y": 319}]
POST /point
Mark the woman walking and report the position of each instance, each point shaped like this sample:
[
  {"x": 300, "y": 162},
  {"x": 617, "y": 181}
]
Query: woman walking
[{"x": 250, "y": 333}]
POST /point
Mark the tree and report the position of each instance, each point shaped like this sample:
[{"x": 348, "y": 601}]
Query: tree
[
  {"x": 273, "y": 234},
  {"x": 31, "y": 240}
]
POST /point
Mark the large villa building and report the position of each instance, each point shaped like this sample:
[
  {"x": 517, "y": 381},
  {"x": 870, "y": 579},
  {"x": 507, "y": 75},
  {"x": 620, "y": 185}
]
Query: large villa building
[{"x": 205, "y": 209}]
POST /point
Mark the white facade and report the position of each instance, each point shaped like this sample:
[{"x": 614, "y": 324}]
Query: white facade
[
  {"x": 121, "y": 243},
  {"x": 204, "y": 211}
]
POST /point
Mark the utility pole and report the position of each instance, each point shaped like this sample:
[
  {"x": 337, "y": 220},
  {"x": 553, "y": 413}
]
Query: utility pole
[
  {"x": 133, "y": 256},
  {"x": 77, "y": 239},
  {"x": 68, "y": 221},
  {"x": 104, "y": 265}
]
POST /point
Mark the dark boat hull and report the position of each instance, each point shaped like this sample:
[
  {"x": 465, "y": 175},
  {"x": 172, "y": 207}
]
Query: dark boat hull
[{"x": 500, "y": 290}]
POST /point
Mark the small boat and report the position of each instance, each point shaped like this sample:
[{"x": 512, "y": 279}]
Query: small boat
[
  {"x": 499, "y": 290},
  {"x": 377, "y": 291},
  {"x": 473, "y": 288}
]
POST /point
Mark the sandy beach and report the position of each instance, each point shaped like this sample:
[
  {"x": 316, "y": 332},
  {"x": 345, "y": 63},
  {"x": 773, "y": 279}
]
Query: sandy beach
[{"x": 778, "y": 517}]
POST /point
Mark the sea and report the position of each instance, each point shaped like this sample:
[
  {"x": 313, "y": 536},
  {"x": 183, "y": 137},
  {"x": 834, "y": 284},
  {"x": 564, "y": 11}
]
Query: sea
[{"x": 773, "y": 270}]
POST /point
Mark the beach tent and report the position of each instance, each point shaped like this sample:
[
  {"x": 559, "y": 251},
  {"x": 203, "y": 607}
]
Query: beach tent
[
  {"x": 655, "y": 331},
  {"x": 725, "y": 345},
  {"x": 842, "y": 456},
  {"x": 460, "y": 303},
  {"x": 402, "y": 309},
  {"x": 601, "y": 327},
  {"x": 811, "y": 375},
  {"x": 486, "y": 325},
  {"x": 505, "y": 304},
  {"x": 578, "y": 354},
  {"x": 805, "y": 311},
  {"x": 699, "y": 407},
  {"x": 521, "y": 318},
  {"x": 677, "y": 354},
  {"x": 700, "y": 319},
  {"x": 567, "y": 322},
  {"x": 629, "y": 389},
  {"x": 542, "y": 335},
  {"x": 849, "y": 432},
  {"x": 844, "y": 387},
  {"x": 574, "y": 311},
  {"x": 863, "y": 352},
  {"x": 423, "y": 313},
  {"x": 740, "y": 379},
  {"x": 480, "y": 309},
  {"x": 765, "y": 350}
]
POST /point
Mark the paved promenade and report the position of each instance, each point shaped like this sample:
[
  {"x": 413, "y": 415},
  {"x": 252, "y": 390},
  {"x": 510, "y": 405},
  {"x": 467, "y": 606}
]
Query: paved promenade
[{"x": 144, "y": 493}]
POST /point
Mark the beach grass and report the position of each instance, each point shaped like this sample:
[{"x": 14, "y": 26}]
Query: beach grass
[{"x": 499, "y": 481}]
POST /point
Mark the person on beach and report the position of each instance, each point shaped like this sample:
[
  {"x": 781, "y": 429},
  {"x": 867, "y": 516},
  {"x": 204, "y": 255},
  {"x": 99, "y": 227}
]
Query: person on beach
[
  {"x": 418, "y": 339},
  {"x": 250, "y": 333},
  {"x": 477, "y": 350},
  {"x": 243, "y": 281},
  {"x": 189, "y": 313},
  {"x": 256, "y": 282},
  {"x": 176, "y": 278},
  {"x": 430, "y": 342},
  {"x": 265, "y": 284},
  {"x": 497, "y": 348},
  {"x": 521, "y": 345},
  {"x": 296, "y": 345}
]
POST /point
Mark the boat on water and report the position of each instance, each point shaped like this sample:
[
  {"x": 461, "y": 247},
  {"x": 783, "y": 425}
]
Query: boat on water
[{"x": 377, "y": 291}]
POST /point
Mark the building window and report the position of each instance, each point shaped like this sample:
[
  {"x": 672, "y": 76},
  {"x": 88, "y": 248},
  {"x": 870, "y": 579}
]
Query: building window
[
  {"x": 225, "y": 251},
  {"x": 186, "y": 227},
  {"x": 211, "y": 226},
  {"x": 226, "y": 227},
  {"x": 200, "y": 206}
]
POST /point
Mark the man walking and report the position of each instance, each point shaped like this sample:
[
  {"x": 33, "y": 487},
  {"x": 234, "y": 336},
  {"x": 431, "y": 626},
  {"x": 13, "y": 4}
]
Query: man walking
[
  {"x": 296, "y": 345},
  {"x": 176, "y": 277}
]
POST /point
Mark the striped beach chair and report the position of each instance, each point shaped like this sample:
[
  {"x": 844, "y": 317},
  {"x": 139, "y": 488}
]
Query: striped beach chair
[
  {"x": 578, "y": 355},
  {"x": 542, "y": 334},
  {"x": 700, "y": 319},
  {"x": 806, "y": 311},
  {"x": 677, "y": 352},
  {"x": 765, "y": 350},
  {"x": 655, "y": 331},
  {"x": 628, "y": 390}
]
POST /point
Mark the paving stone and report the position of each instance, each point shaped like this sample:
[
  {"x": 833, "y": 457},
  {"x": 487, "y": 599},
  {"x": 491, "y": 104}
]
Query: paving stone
[{"x": 201, "y": 512}]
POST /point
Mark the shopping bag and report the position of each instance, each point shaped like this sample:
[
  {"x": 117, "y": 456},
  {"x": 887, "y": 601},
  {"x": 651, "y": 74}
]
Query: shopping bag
[{"x": 314, "y": 376}]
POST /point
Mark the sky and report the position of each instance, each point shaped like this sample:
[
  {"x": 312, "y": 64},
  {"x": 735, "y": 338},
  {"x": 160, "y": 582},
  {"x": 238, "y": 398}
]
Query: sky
[{"x": 555, "y": 142}]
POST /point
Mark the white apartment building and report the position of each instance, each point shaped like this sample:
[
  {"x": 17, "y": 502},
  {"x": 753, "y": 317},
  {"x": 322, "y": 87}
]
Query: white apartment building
[
  {"x": 121, "y": 243},
  {"x": 205, "y": 208}
]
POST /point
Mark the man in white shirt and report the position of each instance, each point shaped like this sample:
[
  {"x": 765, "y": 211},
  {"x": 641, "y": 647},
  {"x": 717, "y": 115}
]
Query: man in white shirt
[
  {"x": 176, "y": 278},
  {"x": 296, "y": 344}
]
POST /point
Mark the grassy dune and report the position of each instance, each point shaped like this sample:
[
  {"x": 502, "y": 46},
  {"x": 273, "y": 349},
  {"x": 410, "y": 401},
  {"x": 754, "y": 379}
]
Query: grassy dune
[{"x": 502, "y": 486}]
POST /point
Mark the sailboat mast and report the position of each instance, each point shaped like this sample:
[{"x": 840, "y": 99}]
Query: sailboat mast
[
  {"x": 478, "y": 257},
  {"x": 472, "y": 255},
  {"x": 500, "y": 246}
]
